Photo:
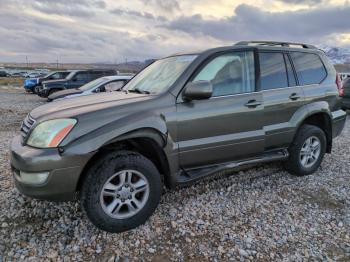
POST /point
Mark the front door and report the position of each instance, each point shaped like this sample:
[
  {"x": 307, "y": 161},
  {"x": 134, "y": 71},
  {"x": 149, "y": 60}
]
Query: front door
[{"x": 229, "y": 125}]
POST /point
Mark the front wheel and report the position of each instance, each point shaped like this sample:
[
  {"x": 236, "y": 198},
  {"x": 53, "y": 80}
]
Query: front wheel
[
  {"x": 121, "y": 191},
  {"x": 306, "y": 151}
]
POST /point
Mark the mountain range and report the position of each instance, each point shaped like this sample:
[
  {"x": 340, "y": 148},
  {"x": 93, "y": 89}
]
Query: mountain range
[{"x": 339, "y": 55}]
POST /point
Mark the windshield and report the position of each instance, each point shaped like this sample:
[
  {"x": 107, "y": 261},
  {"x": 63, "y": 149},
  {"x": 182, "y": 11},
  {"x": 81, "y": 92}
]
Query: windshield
[
  {"x": 49, "y": 74},
  {"x": 93, "y": 84},
  {"x": 160, "y": 75}
]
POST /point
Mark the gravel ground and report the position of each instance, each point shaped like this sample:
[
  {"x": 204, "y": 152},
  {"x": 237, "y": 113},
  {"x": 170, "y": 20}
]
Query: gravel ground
[{"x": 261, "y": 213}]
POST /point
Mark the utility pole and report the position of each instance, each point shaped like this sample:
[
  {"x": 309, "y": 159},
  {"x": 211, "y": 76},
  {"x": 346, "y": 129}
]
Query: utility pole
[
  {"x": 27, "y": 62},
  {"x": 57, "y": 62}
]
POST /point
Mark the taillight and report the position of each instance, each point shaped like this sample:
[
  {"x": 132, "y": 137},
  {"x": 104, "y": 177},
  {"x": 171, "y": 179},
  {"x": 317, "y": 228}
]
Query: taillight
[{"x": 339, "y": 85}]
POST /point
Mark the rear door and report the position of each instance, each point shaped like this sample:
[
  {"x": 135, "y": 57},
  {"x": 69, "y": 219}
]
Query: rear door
[
  {"x": 281, "y": 95},
  {"x": 228, "y": 126},
  {"x": 81, "y": 78}
]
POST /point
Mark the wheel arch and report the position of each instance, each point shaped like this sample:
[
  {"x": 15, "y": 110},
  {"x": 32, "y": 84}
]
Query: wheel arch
[
  {"x": 148, "y": 142},
  {"x": 323, "y": 121}
]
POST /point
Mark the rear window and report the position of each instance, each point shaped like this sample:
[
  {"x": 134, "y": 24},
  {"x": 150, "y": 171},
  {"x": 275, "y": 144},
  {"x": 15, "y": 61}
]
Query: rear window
[
  {"x": 309, "y": 67},
  {"x": 273, "y": 71}
]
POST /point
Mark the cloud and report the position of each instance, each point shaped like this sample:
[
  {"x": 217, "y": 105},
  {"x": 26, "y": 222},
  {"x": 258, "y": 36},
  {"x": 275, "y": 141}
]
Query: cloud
[
  {"x": 146, "y": 15},
  {"x": 250, "y": 22},
  {"x": 80, "y": 8},
  {"x": 303, "y": 2},
  {"x": 164, "y": 5},
  {"x": 94, "y": 31}
]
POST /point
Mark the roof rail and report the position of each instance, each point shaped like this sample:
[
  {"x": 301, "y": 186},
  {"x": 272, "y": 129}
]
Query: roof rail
[{"x": 274, "y": 43}]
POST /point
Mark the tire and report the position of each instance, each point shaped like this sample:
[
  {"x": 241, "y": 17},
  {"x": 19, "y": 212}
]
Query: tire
[
  {"x": 96, "y": 204},
  {"x": 299, "y": 151}
]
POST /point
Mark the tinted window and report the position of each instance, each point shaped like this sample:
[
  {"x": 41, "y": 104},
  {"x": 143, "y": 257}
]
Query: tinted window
[
  {"x": 230, "y": 73},
  {"x": 309, "y": 68},
  {"x": 83, "y": 76},
  {"x": 291, "y": 77},
  {"x": 273, "y": 71}
]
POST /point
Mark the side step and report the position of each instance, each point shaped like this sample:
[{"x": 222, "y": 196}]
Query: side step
[{"x": 194, "y": 174}]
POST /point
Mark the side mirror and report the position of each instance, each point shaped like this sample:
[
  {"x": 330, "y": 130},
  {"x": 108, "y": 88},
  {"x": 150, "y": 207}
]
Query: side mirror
[
  {"x": 97, "y": 90},
  {"x": 198, "y": 90}
]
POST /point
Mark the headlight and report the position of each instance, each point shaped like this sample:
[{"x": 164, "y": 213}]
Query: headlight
[{"x": 50, "y": 133}]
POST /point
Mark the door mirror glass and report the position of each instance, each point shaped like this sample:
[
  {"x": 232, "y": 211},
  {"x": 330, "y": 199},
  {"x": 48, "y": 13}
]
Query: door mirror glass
[
  {"x": 97, "y": 90},
  {"x": 198, "y": 90}
]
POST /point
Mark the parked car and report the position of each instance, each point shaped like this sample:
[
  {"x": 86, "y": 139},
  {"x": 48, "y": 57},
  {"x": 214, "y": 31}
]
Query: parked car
[
  {"x": 103, "y": 84},
  {"x": 344, "y": 76},
  {"x": 18, "y": 74},
  {"x": 32, "y": 84},
  {"x": 34, "y": 75},
  {"x": 75, "y": 79},
  {"x": 183, "y": 118},
  {"x": 3, "y": 74},
  {"x": 346, "y": 96}
]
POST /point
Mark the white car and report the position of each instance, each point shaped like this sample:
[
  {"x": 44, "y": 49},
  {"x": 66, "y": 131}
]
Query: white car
[{"x": 103, "y": 84}]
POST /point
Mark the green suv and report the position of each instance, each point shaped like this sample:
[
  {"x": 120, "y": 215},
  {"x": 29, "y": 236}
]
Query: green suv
[{"x": 182, "y": 118}]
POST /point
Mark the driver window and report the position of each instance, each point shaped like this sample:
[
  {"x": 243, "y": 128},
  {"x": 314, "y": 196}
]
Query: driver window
[
  {"x": 229, "y": 74},
  {"x": 114, "y": 86}
]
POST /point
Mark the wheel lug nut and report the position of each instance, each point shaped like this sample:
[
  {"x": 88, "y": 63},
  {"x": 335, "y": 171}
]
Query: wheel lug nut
[
  {"x": 129, "y": 197},
  {"x": 118, "y": 196},
  {"x": 126, "y": 185},
  {"x": 131, "y": 190},
  {"x": 122, "y": 199}
]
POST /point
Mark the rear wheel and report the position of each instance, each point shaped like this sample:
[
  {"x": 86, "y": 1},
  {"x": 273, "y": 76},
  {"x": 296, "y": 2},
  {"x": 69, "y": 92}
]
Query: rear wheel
[
  {"x": 121, "y": 191},
  {"x": 306, "y": 151}
]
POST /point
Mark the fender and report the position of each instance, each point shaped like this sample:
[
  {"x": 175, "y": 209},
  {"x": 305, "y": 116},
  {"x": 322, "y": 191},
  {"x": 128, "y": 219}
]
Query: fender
[
  {"x": 130, "y": 126},
  {"x": 310, "y": 109}
]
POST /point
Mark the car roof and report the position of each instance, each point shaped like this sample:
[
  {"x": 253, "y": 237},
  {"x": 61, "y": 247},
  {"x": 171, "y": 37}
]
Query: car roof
[{"x": 260, "y": 45}]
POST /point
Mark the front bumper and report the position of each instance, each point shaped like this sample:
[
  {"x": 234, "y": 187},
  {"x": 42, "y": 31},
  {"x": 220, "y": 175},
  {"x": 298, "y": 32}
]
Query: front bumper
[
  {"x": 64, "y": 171},
  {"x": 43, "y": 92}
]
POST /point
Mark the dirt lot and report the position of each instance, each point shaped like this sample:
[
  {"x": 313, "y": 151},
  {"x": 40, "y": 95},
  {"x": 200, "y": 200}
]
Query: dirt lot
[{"x": 262, "y": 213}]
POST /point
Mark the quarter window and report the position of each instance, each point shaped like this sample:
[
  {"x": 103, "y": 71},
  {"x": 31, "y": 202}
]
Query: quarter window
[
  {"x": 230, "y": 74},
  {"x": 273, "y": 71},
  {"x": 309, "y": 67}
]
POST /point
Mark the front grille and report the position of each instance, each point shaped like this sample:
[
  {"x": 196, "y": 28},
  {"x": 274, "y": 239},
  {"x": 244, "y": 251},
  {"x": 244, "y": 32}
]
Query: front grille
[{"x": 27, "y": 125}]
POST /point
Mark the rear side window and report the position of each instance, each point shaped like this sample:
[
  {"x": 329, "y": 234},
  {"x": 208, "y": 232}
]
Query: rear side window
[
  {"x": 309, "y": 67},
  {"x": 273, "y": 73},
  {"x": 83, "y": 76},
  {"x": 230, "y": 74}
]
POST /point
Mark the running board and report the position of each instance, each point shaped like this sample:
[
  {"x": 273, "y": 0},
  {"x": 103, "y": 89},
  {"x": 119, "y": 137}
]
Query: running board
[{"x": 191, "y": 175}]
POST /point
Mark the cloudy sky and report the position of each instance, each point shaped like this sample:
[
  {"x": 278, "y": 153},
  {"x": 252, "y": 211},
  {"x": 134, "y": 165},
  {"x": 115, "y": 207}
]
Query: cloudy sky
[{"x": 113, "y": 30}]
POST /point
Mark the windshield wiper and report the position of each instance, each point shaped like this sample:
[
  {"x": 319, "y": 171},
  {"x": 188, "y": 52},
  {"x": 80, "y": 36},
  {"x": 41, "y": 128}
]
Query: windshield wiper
[{"x": 139, "y": 91}]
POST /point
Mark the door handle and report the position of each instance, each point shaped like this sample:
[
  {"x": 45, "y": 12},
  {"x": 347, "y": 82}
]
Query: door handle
[
  {"x": 294, "y": 96},
  {"x": 252, "y": 103}
]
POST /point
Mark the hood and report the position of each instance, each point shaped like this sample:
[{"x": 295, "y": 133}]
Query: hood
[
  {"x": 84, "y": 104},
  {"x": 63, "y": 93}
]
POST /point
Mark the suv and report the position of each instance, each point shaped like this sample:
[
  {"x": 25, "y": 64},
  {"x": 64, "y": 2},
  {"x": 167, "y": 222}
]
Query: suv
[
  {"x": 346, "y": 94},
  {"x": 32, "y": 84},
  {"x": 75, "y": 79},
  {"x": 182, "y": 118}
]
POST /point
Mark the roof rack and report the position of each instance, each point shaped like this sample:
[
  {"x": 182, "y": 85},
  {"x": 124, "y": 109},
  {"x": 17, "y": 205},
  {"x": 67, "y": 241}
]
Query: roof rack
[{"x": 273, "y": 43}]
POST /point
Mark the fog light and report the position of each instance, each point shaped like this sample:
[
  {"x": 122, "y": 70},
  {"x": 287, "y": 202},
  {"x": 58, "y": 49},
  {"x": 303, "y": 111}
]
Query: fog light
[{"x": 33, "y": 178}]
